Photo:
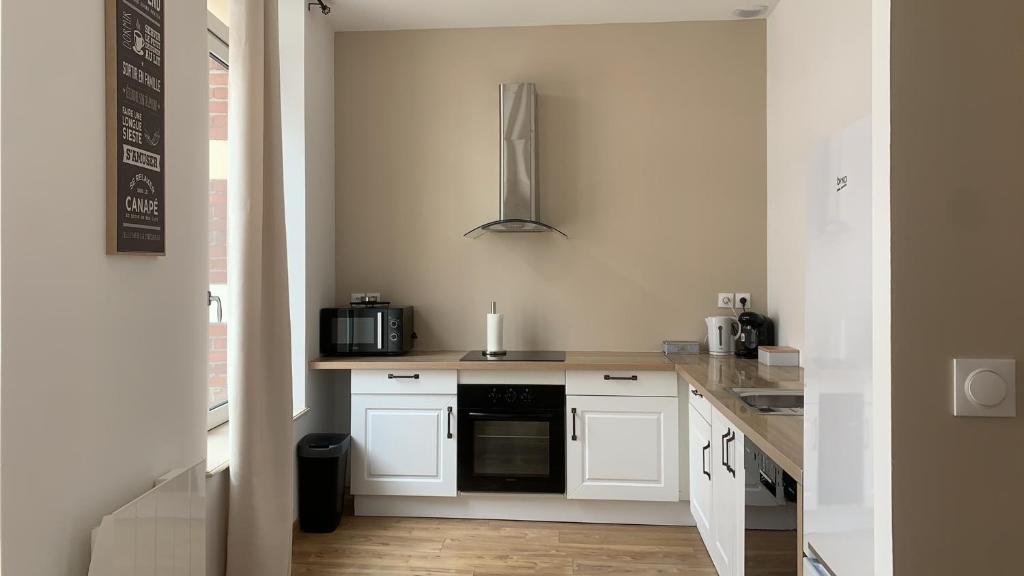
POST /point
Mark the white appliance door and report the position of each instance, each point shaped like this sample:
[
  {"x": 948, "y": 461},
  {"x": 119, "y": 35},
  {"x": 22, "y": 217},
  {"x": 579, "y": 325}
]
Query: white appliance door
[{"x": 838, "y": 485}]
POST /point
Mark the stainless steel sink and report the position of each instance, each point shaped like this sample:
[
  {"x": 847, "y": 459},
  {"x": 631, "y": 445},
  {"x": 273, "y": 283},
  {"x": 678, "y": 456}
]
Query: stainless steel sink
[{"x": 773, "y": 401}]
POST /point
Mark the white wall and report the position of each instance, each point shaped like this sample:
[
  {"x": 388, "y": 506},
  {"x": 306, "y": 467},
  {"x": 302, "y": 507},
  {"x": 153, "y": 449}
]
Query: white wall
[
  {"x": 293, "y": 128},
  {"x": 307, "y": 42},
  {"x": 318, "y": 214},
  {"x": 103, "y": 357},
  {"x": 819, "y": 81},
  {"x": 881, "y": 280},
  {"x": 328, "y": 405}
]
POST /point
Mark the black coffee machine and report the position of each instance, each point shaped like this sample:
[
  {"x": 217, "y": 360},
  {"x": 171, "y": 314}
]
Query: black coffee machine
[{"x": 755, "y": 330}]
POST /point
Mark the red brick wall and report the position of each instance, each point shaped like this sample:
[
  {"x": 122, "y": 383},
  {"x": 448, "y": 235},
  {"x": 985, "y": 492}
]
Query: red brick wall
[
  {"x": 217, "y": 345},
  {"x": 218, "y": 231},
  {"x": 217, "y": 364},
  {"x": 218, "y": 188}
]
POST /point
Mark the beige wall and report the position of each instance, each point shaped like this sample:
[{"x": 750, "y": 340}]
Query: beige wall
[
  {"x": 652, "y": 159},
  {"x": 819, "y": 81},
  {"x": 957, "y": 239}
]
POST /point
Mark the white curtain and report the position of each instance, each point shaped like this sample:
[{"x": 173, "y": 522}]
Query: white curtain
[{"x": 259, "y": 350}]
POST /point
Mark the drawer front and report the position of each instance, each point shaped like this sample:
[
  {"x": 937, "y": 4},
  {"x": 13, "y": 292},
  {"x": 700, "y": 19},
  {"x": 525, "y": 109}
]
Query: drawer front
[
  {"x": 405, "y": 382},
  {"x": 698, "y": 401},
  {"x": 621, "y": 383}
]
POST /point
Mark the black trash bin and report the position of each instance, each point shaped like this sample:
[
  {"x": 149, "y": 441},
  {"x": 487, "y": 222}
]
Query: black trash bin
[{"x": 323, "y": 460}]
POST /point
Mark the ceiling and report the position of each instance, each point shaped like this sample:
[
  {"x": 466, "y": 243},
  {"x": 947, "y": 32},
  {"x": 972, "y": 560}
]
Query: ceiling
[
  {"x": 351, "y": 15},
  {"x": 221, "y": 9}
]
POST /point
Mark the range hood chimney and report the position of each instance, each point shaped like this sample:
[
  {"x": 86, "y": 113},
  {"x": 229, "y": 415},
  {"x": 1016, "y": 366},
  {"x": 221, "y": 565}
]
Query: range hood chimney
[{"x": 517, "y": 208}]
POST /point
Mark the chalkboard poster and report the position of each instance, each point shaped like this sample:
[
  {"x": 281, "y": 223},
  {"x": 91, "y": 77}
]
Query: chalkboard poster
[{"x": 135, "y": 127}]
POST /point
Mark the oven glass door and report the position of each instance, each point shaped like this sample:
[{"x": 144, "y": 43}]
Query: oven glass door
[
  {"x": 511, "y": 452},
  {"x": 360, "y": 331}
]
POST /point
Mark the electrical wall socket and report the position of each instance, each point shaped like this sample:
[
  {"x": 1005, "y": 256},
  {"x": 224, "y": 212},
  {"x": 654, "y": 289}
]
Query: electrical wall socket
[
  {"x": 365, "y": 297},
  {"x": 726, "y": 300},
  {"x": 739, "y": 299}
]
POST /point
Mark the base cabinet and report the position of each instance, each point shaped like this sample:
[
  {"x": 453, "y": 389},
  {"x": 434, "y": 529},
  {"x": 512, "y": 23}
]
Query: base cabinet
[
  {"x": 622, "y": 448},
  {"x": 404, "y": 445},
  {"x": 717, "y": 487},
  {"x": 701, "y": 470},
  {"x": 727, "y": 490},
  {"x": 622, "y": 440}
]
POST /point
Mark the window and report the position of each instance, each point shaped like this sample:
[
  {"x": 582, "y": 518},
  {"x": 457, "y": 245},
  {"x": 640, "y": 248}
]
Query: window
[{"x": 218, "y": 334}]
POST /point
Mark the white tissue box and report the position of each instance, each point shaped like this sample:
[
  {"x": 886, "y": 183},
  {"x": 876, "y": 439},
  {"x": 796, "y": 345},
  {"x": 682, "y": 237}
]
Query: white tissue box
[{"x": 778, "y": 356}]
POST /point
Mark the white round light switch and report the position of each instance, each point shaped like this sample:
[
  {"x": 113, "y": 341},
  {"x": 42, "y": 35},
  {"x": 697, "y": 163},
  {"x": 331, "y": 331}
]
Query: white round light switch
[{"x": 985, "y": 388}]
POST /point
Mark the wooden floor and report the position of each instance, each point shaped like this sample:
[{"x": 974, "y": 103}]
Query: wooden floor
[{"x": 424, "y": 546}]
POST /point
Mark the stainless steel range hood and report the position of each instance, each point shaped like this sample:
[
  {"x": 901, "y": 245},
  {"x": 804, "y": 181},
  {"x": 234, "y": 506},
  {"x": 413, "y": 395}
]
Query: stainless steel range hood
[{"x": 517, "y": 208}]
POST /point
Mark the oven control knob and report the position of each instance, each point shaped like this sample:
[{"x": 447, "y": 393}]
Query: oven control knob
[
  {"x": 510, "y": 395},
  {"x": 394, "y": 323},
  {"x": 394, "y": 337},
  {"x": 526, "y": 396},
  {"x": 494, "y": 395}
]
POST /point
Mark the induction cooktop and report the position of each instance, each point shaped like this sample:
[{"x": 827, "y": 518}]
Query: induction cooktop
[{"x": 515, "y": 356}]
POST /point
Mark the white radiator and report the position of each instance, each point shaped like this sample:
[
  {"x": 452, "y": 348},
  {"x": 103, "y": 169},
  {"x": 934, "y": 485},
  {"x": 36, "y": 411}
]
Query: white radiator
[{"x": 161, "y": 533}]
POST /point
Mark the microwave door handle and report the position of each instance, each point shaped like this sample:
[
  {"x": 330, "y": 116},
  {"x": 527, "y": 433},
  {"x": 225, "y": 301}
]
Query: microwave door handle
[{"x": 380, "y": 327}]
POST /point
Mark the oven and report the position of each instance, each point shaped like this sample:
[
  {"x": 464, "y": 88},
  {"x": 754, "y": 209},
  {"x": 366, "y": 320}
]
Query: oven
[{"x": 511, "y": 438}]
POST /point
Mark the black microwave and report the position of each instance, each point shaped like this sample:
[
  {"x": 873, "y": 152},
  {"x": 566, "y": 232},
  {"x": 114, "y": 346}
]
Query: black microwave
[{"x": 371, "y": 330}]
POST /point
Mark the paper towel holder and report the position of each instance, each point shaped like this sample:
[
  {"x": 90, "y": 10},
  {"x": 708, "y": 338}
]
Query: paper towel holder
[{"x": 495, "y": 347}]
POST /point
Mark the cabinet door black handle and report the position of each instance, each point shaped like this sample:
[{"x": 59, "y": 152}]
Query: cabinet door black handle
[
  {"x": 725, "y": 453},
  {"x": 728, "y": 465},
  {"x": 610, "y": 377},
  {"x": 573, "y": 424},
  {"x": 695, "y": 393},
  {"x": 733, "y": 439},
  {"x": 703, "y": 451},
  {"x": 402, "y": 376},
  {"x": 449, "y": 422}
]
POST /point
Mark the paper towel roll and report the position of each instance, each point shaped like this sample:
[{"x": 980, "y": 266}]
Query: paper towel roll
[{"x": 494, "y": 331}]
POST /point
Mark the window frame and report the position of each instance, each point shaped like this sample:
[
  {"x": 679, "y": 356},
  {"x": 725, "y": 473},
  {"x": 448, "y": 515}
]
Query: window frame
[{"x": 217, "y": 48}]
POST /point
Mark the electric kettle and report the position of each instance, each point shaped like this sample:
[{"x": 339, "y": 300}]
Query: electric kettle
[{"x": 722, "y": 332}]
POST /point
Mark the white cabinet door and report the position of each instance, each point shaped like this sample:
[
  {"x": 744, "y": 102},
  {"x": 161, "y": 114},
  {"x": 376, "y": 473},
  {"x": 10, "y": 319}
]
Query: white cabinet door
[
  {"x": 622, "y": 448},
  {"x": 701, "y": 470},
  {"x": 401, "y": 445},
  {"x": 727, "y": 493}
]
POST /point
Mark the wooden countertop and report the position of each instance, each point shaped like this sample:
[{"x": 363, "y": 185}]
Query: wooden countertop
[
  {"x": 636, "y": 361},
  {"x": 781, "y": 437}
]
